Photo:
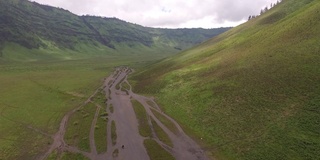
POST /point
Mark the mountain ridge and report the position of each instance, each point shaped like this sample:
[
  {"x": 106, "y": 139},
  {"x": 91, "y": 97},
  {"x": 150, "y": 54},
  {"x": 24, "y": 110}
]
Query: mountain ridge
[{"x": 35, "y": 26}]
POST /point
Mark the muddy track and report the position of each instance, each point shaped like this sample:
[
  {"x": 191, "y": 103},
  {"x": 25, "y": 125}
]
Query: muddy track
[
  {"x": 59, "y": 144},
  {"x": 126, "y": 134}
]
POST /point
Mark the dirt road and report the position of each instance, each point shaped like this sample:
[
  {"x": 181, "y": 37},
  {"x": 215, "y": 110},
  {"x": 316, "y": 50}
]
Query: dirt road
[{"x": 126, "y": 142}]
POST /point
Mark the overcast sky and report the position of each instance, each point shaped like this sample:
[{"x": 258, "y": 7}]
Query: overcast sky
[{"x": 168, "y": 13}]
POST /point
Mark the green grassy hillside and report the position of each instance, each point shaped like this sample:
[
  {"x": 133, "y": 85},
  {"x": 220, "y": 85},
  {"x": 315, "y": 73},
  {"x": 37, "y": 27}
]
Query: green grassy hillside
[
  {"x": 252, "y": 92},
  {"x": 58, "y": 33}
]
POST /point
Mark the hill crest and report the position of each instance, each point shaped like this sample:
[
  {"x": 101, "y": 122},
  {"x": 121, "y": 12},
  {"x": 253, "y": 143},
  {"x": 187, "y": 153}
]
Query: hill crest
[{"x": 35, "y": 26}]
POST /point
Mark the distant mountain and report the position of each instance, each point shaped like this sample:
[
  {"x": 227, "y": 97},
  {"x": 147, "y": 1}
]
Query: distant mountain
[
  {"x": 35, "y": 26},
  {"x": 252, "y": 92}
]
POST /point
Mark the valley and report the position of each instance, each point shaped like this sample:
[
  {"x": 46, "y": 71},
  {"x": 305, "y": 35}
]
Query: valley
[
  {"x": 86, "y": 87},
  {"x": 124, "y": 141}
]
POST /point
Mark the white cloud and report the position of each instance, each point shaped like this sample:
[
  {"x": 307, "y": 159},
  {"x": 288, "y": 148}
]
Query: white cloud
[{"x": 168, "y": 13}]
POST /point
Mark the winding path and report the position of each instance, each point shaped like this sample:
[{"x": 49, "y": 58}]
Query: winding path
[{"x": 120, "y": 111}]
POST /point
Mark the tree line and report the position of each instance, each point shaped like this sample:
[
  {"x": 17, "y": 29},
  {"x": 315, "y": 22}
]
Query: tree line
[{"x": 264, "y": 10}]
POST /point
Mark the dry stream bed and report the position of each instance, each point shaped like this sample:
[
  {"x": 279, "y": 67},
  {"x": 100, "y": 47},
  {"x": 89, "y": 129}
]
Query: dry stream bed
[{"x": 121, "y": 133}]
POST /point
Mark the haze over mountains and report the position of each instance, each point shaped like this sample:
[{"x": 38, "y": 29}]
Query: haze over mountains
[{"x": 36, "y": 26}]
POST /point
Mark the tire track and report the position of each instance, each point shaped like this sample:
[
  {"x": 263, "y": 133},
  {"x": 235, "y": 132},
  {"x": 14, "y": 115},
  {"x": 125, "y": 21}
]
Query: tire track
[{"x": 129, "y": 142}]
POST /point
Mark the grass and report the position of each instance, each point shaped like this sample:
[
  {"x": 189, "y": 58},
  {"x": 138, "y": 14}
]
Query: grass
[
  {"x": 155, "y": 151},
  {"x": 113, "y": 133},
  {"x": 53, "y": 155},
  {"x": 40, "y": 93},
  {"x": 78, "y": 128},
  {"x": 250, "y": 92},
  {"x": 100, "y": 98},
  {"x": 161, "y": 134},
  {"x": 144, "y": 127},
  {"x": 37, "y": 95},
  {"x": 166, "y": 122},
  {"x": 67, "y": 155},
  {"x": 151, "y": 104},
  {"x": 100, "y": 133},
  {"x": 125, "y": 86}
]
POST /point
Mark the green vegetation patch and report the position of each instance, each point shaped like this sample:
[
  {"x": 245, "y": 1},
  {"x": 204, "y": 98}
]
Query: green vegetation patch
[
  {"x": 155, "y": 151},
  {"x": 125, "y": 86},
  {"x": 150, "y": 103},
  {"x": 68, "y": 155},
  {"x": 162, "y": 135},
  {"x": 100, "y": 133},
  {"x": 144, "y": 127},
  {"x": 29, "y": 138},
  {"x": 104, "y": 115},
  {"x": 53, "y": 156},
  {"x": 78, "y": 128},
  {"x": 38, "y": 95},
  {"x": 166, "y": 122},
  {"x": 113, "y": 133},
  {"x": 100, "y": 98}
]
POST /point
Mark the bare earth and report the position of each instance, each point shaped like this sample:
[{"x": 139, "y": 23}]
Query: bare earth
[{"x": 184, "y": 148}]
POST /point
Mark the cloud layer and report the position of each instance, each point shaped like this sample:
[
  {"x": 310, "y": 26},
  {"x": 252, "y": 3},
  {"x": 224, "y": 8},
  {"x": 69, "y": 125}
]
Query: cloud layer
[{"x": 168, "y": 13}]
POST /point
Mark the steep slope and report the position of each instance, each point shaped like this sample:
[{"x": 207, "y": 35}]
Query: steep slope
[
  {"x": 252, "y": 92},
  {"x": 55, "y": 30}
]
